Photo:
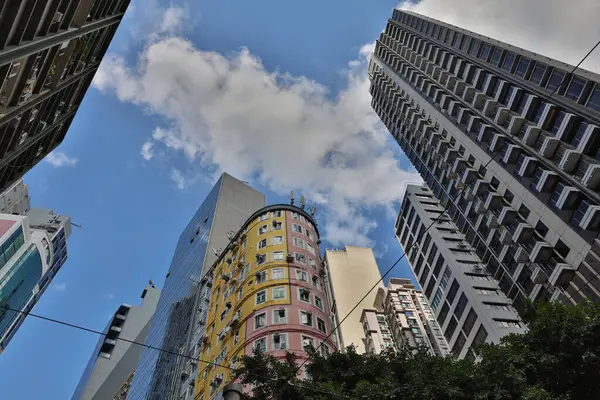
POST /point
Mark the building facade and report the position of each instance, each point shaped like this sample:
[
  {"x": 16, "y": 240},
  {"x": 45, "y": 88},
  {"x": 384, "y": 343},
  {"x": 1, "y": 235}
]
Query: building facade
[
  {"x": 49, "y": 52},
  {"x": 401, "y": 318},
  {"x": 15, "y": 199},
  {"x": 268, "y": 294},
  {"x": 113, "y": 361},
  {"x": 178, "y": 323},
  {"x": 455, "y": 100},
  {"x": 466, "y": 300},
  {"x": 351, "y": 273},
  {"x": 34, "y": 248}
]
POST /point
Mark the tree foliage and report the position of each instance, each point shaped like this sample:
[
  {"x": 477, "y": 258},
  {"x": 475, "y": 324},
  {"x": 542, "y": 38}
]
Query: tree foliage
[{"x": 558, "y": 358}]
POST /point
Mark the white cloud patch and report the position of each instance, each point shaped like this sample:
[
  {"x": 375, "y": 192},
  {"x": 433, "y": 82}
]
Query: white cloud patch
[
  {"x": 229, "y": 113},
  {"x": 177, "y": 177},
  {"x": 60, "y": 159},
  {"x": 59, "y": 287},
  {"x": 565, "y": 30},
  {"x": 108, "y": 296},
  {"x": 147, "y": 150},
  {"x": 153, "y": 20}
]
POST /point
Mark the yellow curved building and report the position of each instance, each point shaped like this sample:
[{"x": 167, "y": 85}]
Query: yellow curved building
[{"x": 268, "y": 293}]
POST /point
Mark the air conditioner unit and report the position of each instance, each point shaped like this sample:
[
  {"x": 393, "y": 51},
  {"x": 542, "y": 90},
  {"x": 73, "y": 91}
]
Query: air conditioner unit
[{"x": 58, "y": 17}]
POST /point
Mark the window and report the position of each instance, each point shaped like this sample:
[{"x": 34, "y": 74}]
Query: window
[
  {"x": 279, "y": 293},
  {"x": 508, "y": 196},
  {"x": 277, "y": 273},
  {"x": 497, "y": 306},
  {"x": 261, "y": 297},
  {"x": 307, "y": 342},
  {"x": 469, "y": 322},
  {"x": 276, "y": 214},
  {"x": 301, "y": 258},
  {"x": 280, "y": 316},
  {"x": 538, "y": 73},
  {"x": 319, "y": 303},
  {"x": 278, "y": 256},
  {"x": 296, "y": 228},
  {"x": 508, "y": 61},
  {"x": 308, "y": 234},
  {"x": 452, "y": 291},
  {"x": 263, "y": 229},
  {"x": 575, "y": 88},
  {"x": 262, "y": 244},
  {"x": 555, "y": 80},
  {"x": 562, "y": 249},
  {"x": 460, "y": 306},
  {"x": 316, "y": 283},
  {"x": 298, "y": 242},
  {"x": 236, "y": 336},
  {"x": 459, "y": 344},
  {"x": 450, "y": 329},
  {"x": 312, "y": 263},
  {"x": 524, "y": 211},
  {"x": 295, "y": 215},
  {"x": 496, "y": 56},
  {"x": 279, "y": 341},
  {"x": 306, "y": 318},
  {"x": 321, "y": 325},
  {"x": 277, "y": 240},
  {"x": 304, "y": 295},
  {"x": 541, "y": 228},
  {"x": 301, "y": 275},
  {"x": 522, "y": 67},
  {"x": 277, "y": 225},
  {"x": 240, "y": 292},
  {"x": 260, "y": 345},
  {"x": 263, "y": 217},
  {"x": 310, "y": 248},
  {"x": 261, "y": 277},
  {"x": 260, "y": 320},
  {"x": 261, "y": 258},
  {"x": 594, "y": 100},
  {"x": 508, "y": 324},
  {"x": 443, "y": 313},
  {"x": 325, "y": 352}
]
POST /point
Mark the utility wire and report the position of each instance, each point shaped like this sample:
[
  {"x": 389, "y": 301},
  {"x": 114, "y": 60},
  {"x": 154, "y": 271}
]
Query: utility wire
[
  {"x": 451, "y": 202},
  {"x": 83, "y": 328}
]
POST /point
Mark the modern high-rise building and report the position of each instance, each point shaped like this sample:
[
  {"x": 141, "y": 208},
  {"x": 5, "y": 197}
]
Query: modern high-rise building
[
  {"x": 49, "y": 52},
  {"x": 32, "y": 250},
  {"x": 109, "y": 372},
  {"x": 352, "y": 272},
  {"x": 467, "y": 301},
  {"x": 15, "y": 199},
  {"x": 456, "y": 101},
  {"x": 268, "y": 293},
  {"x": 175, "y": 326},
  {"x": 401, "y": 318}
]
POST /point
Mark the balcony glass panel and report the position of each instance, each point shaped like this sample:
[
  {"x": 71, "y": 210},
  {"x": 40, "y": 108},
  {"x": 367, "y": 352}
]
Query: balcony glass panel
[
  {"x": 556, "y": 194},
  {"x": 581, "y": 210},
  {"x": 557, "y": 122},
  {"x": 508, "y": 61},
  {"x": 555, "y": 79},
  {"x": 538, "y": 73},
  {"x": 579, "y": 134},
  {"x": 575, "y": 88},
  {"x": 522, "y": 67},
  {"x": 594, "y": 100}
]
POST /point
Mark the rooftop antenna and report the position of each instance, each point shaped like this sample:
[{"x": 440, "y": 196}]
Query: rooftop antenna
[
  {"x": 312, "y": 210},
  {"x": 302, "y": 204},
  {"x": 77, "y": 225},
  {"x": 292, "y": 197}
]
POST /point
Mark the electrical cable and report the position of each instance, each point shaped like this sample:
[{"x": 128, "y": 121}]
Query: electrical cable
[
  {"x": 199, "y": 360},
  {"x": 451, "y": 202}
]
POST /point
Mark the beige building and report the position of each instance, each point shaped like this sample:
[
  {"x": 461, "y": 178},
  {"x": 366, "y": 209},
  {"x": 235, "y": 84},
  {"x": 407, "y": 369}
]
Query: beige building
[
  {"x": 352, "y": 272},
  {"x": 401, "y": 316}
]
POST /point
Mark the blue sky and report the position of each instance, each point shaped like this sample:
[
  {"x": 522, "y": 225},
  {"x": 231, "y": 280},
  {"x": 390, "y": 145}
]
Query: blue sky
[
  {"x": 274, "y": 93},
  {"x": 132, "y": 210}
]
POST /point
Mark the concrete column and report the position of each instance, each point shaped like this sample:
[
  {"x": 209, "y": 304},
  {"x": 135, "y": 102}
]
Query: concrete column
[{"x": 232, "y": 391}]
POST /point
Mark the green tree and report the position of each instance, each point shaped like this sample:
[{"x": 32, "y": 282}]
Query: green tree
[{"x": 558, "y": 358}]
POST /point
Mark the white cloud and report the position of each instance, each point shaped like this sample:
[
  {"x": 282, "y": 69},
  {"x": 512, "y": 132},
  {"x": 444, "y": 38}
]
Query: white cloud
[
  {"x": 59, "y": 287},
  {"x": 231, "y": 114},
  {"x": 146, "y": 150},
  {"x": 60, "y": 159},
  {"x": 154, "y": 20},
  {"x": 108, "y": 296},
  {"x": 177, "y": 177},
  {"x": 565, "y": 30}
]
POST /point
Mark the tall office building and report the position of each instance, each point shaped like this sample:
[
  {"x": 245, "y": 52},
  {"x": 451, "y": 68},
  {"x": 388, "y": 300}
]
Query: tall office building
[
  {"x": 467, "y": 301},
  {"x": 455, "y": 100},
  {"x": 175, "y": 326},
  {"x": 401, "y": 318},
  {"x": 268, "y": 293},
  {"x": 112, "y": 364},
  {"x": 15, "y": 199},
  {"x": 49, "y": 52},
  {"x": 352, "y": 272},
  {"x": 33, "y": 249}
]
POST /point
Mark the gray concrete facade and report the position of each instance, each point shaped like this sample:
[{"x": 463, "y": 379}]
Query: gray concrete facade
[
  {"x": 114, "y": 360},
  {"x": 518, "y": 171}
]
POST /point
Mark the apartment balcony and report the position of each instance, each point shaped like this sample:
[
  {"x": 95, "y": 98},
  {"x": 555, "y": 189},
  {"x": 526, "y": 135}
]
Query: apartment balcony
[
  {"x": 569, "y": 160},
  {"x": 538, "y": 275},
  {"x": 584, "y": 136},
  {"x": 531, "y": 135},
  {"x": 451, "y": 84},
  {"x": 562, "y": 272},
  {"x": 549, "y": 147},
  {"x": 492, "y": 221},
  {"x": 520, "y": 254},
  {"x": 506, "y": 215},
  {"x": 479, "y": 100},
  {"x": 450, "y": 156},
  {"x": 490, "y": 108},
  {"x": 479, "y": 206},
  {"x": 501, "y": 115},
  {"x": 480, "y": 187},
  {"x": 443, "y": 79},
  {"x": 537, "y": 248},
  {"x": 525, "y": 166},
  {"x": 442, "y": 146},
  {"x": 505, "y": 236},
  {"x": 459, "y": 89},
  {"x": 463, "y": 116},
  {"x": 522, "y": 232},
  {"x": 543, "y": 180},
  {"x": 591, "y": 178},
  {"x": 468, "y": 175},
  {"x": 485, "y": 133},
  {"x": 492, "y": 200},
  {"x": 469, "y": 94},
  {"x": 497, "y": 142},
  {"x": 587, "y": 216},
  {"x": 510, "y": 153}
]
